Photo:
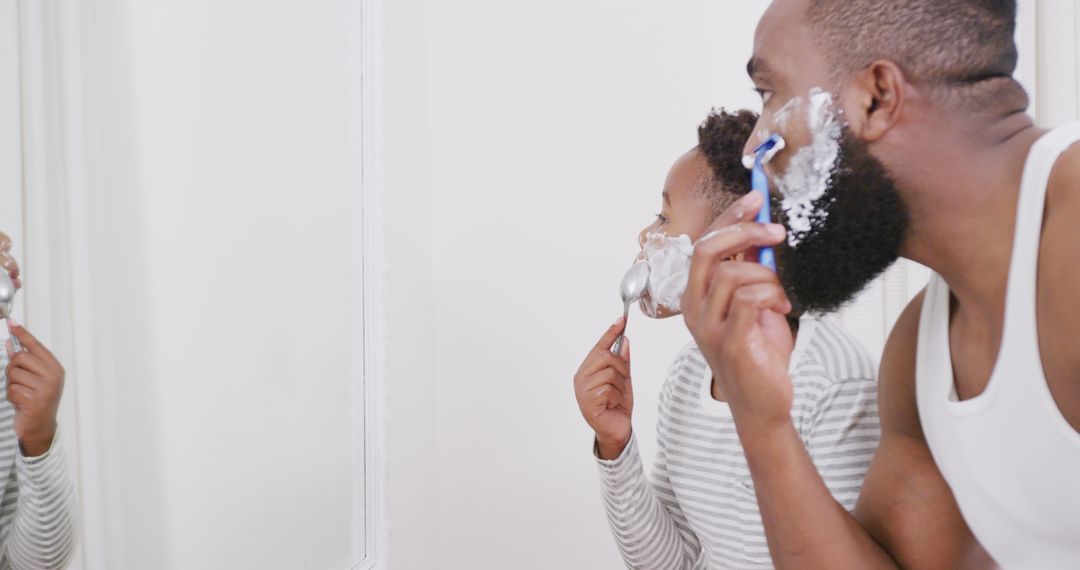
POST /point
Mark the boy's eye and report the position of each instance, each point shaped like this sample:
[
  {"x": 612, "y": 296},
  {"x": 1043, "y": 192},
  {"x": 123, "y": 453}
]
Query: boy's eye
[{"x": 764, "y": 94}]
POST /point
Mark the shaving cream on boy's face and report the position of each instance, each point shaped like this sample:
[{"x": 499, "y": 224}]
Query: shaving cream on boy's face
[{"x": 669, "y": 272}]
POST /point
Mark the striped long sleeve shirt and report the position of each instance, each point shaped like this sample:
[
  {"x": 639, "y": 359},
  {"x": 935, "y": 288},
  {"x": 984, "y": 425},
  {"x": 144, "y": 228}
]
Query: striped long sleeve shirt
[
  {"x": 37, "y": 505},
  {"x": 699, "y": 511}
]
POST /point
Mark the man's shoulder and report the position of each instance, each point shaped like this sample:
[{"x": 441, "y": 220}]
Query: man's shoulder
[
  {"x": 1063, "y": 190},
  {"x": 1058, "y": 271},
  {"x": 896, "y": 382}
]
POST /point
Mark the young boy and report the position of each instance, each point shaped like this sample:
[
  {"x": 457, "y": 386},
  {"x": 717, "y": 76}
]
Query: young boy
[
  {"x": 37, "y": 496},
  {"x": 700, "y": 509}
]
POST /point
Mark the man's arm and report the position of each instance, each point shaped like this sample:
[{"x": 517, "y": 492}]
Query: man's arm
[
  {"x": 907, "y": 516},
  {"x": 735, "y": 312}
]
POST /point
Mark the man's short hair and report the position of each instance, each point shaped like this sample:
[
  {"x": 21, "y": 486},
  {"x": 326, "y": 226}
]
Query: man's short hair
[{"x": 963, "y": 50}]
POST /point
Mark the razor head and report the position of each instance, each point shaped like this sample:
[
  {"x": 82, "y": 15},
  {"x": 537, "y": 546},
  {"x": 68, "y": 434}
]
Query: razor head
[
  {"x": 768, "y": 149},
  {"x": 764, "y": 151}
]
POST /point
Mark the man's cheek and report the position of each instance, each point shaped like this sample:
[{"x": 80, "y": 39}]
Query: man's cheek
[{"x": 795, "y": 121}]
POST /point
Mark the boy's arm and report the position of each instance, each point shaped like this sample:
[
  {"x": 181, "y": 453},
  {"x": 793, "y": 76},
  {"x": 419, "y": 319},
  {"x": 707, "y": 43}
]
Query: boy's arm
[
  {"x": 649, "y": 527},
  {"x": 42, "y": 533}
]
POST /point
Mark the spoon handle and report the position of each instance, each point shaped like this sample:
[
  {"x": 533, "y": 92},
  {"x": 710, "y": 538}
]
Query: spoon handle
[
  {"x": 616, "y": 348},
  {"x": 16, "y": 346}
]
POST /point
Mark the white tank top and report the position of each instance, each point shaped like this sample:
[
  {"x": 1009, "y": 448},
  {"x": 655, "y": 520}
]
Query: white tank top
[{"x": 1009, "y": 455}]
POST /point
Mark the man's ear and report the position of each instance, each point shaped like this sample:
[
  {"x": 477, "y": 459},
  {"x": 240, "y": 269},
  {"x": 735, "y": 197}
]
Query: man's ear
[{"x": 875, "y": 99}]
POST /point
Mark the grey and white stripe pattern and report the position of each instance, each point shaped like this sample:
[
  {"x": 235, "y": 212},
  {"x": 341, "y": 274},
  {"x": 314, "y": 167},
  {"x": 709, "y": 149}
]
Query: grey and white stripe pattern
[
  {"x": 37, "y": 508},
  {"x": 699, "y": 510}
]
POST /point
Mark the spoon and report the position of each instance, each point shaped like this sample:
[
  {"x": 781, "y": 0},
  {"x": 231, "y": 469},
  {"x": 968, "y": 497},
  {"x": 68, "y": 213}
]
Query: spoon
[
  {"x": 632, "y": 288},
  {"x": 7, "y": 296}
]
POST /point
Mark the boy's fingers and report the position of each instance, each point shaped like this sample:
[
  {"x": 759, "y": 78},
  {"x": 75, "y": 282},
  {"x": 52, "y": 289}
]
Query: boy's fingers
[
  {"x": 609, "y": 336},
  {"x": 19, "y": 395},
  {"x": 607, "y": 395},
  {"x": 29, "y": 342},
  {"x": 618, "y": 363},
  {"x": 30, "y": 362},
  {"x": 624, "y": 352},
  {"x": 605, "y": 378},
  {"x": 20, "y": 377},
  {"x": 605, "y": 359}
]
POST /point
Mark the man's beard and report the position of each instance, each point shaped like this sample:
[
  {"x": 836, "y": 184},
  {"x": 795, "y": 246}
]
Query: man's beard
[{"x": 856, "y": 236}]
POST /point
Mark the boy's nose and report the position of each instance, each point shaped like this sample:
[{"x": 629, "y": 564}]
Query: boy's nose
[{"x": 643, "y": 234}]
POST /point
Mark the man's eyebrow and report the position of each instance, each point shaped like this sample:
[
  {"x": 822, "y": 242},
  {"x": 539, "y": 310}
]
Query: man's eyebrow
[
  {"x": 756, "y": 66},
  {"x": 667, "y": 199}
]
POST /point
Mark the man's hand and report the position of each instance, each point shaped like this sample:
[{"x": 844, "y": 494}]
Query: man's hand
[
  {"x": 35, "y": 382},
  {"x": 736, "y": 310},
  {"x": 605, "y": 394}
]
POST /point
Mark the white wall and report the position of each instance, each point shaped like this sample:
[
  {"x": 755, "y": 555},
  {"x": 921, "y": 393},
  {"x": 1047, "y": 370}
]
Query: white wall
[
  {"x": 221, "y": 167},
  {"x": 411, "y": 418},
  {"x": 541, "y": 133},
  {"x": 1057, "y": 45}
]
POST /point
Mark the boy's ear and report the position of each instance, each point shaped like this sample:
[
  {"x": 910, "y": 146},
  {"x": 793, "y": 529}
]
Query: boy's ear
[{"x": 875, "y": 99}]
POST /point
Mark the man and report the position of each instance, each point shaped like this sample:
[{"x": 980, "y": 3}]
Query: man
[
  {"x": 37, "y": 497},
  {"x": 979, "y": 385}
]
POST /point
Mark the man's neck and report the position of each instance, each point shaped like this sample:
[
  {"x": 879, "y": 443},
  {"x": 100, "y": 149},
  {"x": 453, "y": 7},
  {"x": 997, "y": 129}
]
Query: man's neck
[{"x": 963, "y": 209}]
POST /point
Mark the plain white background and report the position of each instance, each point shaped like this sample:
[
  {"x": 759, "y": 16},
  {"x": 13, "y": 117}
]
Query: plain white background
[
  {"x": 222, "y": 171},
  {"x": 525, "y": 145}
]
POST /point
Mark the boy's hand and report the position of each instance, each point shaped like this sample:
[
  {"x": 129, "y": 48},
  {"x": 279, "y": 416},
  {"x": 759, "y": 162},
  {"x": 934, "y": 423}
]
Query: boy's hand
[
  {"x": 35, "y": 382},
  {"x": 605, "y": 394}
]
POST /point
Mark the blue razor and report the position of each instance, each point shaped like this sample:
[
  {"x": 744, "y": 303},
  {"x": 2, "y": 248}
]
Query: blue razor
[{"x": 760, "y": 183}]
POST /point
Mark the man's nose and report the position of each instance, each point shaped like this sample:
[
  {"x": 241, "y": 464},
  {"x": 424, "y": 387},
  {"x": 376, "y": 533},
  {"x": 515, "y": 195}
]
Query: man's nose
[{"x": 756, "y": 137}]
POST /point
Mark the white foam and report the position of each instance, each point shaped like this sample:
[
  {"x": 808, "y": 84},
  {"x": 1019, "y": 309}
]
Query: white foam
[
  {"x": 669, "y": 270},
  {"x": 811, "y": 167}
]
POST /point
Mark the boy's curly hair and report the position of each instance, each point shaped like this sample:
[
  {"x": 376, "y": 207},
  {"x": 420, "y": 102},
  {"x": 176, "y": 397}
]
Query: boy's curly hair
[{"x": 721, "y": 139}]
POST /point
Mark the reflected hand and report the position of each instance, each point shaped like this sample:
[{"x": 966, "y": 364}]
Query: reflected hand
[
  {"x": 35, "y": 382},
  {"x": 7, "y": 262}
]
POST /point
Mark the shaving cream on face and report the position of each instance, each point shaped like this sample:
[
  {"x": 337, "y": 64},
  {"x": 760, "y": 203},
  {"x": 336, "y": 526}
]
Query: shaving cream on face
[
  {"x": 669, "y": 271},
  {"x": 810, "y": 168}
]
